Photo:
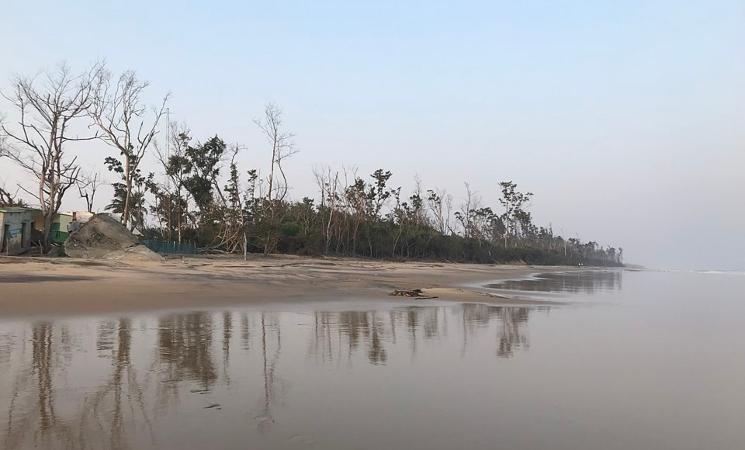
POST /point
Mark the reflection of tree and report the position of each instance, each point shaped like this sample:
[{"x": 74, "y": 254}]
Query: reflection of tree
[
  {"x": 183, "y": 353},
  {"x": 376, "y": 354},
  {"x": 334, "y": 331},
  {"x": 105, "y": 336},
  {"x": 227, "y": 332},
  {"x": 511, "y": 336},
  {"x": 430, "y": 322},
  {"x": 510, "y": 323},
  {"x": 122, "y": 393},
  {"x": 115, "y": 411},
  {"x": 185, "y": 344},
  {"x": 42, "y": 357},
  {"x": 342, "y": 333},
  {"x": 322, "y": 344},
  {"x": 266, "y": 419},
  {"x": 354, "y": 325},
  {"x": 185, "y": 348},
  {"x": 412, "y": 323},
  {"x": 40, "y": 423},
  {"x": 121, "y": 362},
  {"x": 245, "y": 331}
]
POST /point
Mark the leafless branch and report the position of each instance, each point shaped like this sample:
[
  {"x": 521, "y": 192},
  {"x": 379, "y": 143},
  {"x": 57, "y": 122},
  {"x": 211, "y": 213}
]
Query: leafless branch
[
  {"x": 119, "y": 114},
  {"x": 46, "y": 106}
]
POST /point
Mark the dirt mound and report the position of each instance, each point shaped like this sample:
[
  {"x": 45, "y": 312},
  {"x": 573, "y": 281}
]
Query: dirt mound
[{"x": 104, "y": 237}]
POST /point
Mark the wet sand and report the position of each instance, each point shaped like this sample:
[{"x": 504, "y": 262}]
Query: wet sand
[
  {"x": 47, "y": 286},
  {"x": 638, "y": 362}
]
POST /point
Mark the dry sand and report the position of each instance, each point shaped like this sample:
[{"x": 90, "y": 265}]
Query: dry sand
[{"x": 48, "y": 286}]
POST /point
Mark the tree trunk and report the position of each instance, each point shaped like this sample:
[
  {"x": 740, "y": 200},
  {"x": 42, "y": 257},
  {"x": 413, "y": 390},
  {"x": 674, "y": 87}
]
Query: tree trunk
[
  {"x": 48, "y": 216},
  {"x": 128, "y": 180},
  {"x": 271, "y": 171}
]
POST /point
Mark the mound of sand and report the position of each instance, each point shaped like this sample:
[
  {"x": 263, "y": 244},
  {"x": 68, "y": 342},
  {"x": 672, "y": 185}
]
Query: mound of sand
[{"x": 104, "y": 237}]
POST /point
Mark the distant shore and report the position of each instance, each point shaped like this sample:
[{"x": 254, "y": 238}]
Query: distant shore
[{"x": 61, "y": 286}]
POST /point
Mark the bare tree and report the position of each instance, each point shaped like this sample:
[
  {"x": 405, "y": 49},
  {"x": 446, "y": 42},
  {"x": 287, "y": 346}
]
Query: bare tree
[
  {"x": 448, "y": 213},
  {"x": 328, "y": 184},
  {"x": 465, "y": 216},
  {"x": 439, "y": 204},
  {"x": 119, "y": 113},
  {"x": 87, "y": 187},
  {"x": 282, "y": 148},
  {"x": 420, "y": 216},
  {"x": 8, "y": 199},
  {"x": 37, "y": 143}
]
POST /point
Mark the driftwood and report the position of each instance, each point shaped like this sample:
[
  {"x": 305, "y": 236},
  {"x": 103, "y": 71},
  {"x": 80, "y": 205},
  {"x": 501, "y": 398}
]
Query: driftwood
[{"x": 417, "y": 294}]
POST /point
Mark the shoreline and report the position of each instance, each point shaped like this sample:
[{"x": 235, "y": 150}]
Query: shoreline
[{"x": 36, "y": 286}]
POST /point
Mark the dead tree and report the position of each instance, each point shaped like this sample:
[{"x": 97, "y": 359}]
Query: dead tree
[
  {"x": 7, "y": 199},
  {"x": 328, "y": 186},
  {"x": 124, "y": 124},
  {"x": 282, "y": 148},
  {"x": 87, "y": 187},
  {"x": 465, "y": 215},
  {"x": 46, "y": 109},
  {"x": 437, "y": 202}
]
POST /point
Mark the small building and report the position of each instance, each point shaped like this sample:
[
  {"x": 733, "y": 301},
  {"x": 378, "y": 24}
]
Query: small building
[
  {"x": 60, "y": 226},
  {"x": 15, "y": 229}
]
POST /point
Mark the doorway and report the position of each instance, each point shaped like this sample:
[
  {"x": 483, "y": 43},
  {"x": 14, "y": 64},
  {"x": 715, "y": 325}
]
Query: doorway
[{"x": 6, "y": 238}]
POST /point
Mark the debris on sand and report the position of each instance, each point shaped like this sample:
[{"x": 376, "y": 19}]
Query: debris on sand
[
  {"x": 417, "y": 294},
  {"x": 103, "y": 237}
]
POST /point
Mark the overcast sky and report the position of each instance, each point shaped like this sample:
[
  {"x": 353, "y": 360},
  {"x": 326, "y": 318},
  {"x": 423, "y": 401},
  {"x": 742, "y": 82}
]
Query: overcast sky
[{"x": 626, "y": 119}]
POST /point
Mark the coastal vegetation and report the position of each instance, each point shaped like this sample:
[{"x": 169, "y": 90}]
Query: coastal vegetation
[{"x": 199, "y": 194}]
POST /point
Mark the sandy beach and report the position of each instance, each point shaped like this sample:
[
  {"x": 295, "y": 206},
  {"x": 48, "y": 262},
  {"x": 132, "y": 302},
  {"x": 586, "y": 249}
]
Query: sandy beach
[{"x": 47, "y": 286}]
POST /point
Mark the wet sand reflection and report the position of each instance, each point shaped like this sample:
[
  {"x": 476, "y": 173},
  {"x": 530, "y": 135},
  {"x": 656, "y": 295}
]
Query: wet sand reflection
[
  {"x": 587, "y": 282},
  {"x": 126, "y": 383}
]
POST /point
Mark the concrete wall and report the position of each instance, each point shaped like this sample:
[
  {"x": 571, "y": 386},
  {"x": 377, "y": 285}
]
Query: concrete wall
[
  {"x": 64, "y": 221},
  {"x": 16, "y": 238}
]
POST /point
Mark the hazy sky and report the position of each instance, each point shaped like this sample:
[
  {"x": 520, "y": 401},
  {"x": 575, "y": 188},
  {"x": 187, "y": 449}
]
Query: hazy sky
[{"x": 625, "y": 118}]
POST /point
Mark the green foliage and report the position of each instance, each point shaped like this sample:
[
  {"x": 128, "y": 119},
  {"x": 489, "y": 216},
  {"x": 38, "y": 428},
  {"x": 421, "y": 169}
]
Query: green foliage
[
  {"x": 366, "y": 218},
  {"x": 139, "y": 183},
  {"x": 203, "y": 162},
  {"x": 289, "y": 229}
]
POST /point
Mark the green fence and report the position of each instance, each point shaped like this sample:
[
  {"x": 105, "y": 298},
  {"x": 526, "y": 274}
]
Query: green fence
[{"x": 174, "y": 248}]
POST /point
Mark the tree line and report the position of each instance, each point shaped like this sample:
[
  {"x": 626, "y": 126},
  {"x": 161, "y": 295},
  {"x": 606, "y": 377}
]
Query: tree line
[{"x": 201, "y": 195}]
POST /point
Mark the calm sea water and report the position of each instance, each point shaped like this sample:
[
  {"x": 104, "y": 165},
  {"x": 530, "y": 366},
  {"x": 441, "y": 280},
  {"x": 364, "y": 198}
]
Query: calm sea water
[{"x": 636, "y": 360}]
